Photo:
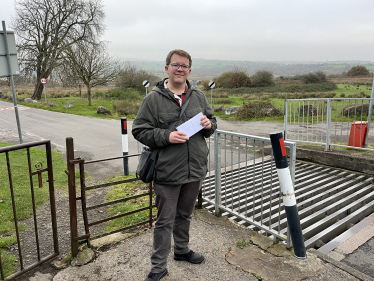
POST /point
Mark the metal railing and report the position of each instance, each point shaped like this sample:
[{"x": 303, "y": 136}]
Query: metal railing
[
  {"x": 13, "y": 189},
  {"x": 73, "y": 199},
  {"x": 244, "y": 182},
  {"x": 341, "y": 122}
]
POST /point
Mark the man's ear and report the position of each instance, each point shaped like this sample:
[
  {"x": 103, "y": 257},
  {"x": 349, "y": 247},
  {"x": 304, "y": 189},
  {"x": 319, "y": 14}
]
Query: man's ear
[{"x": 167, "y": 69}]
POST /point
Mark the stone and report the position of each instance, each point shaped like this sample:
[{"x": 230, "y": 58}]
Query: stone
[
  {"x": 219, "y": 108},
  {"x": 51, "y": 104},
  {"x": 307, "y": 110},
  {"x": 34, "y": 101},
  {"x": 265, "y": 266},
  {"x": 262, "y": 241},
  {"x": 41, "y": 277},
  {"x": 103, "y": 110},
  {"x": 60, "y": 264},
  {"x": 68, "y": 105},
  {"x": 110, "y": 239},
  {"x": 280, "y": 250},
  {"x": 231, "y": 110},
  {"x": 356, "y": 109},
  {"x": 319, "y": 243},
  {"x": 83, "y": 257},
  {"x": 271, "y": 112},
  {"x": 28, "y": 100}
]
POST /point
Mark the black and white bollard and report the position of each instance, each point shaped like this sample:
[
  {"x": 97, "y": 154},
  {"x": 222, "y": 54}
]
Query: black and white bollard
[
  {"x": 288, "y": 194},
  {"x": 125, "y": 145}
]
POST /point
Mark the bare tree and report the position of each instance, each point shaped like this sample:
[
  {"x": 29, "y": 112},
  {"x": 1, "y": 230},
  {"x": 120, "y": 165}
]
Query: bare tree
[
  {"x": 45, "y": 28},
  {"x": 89, "y": 64}
]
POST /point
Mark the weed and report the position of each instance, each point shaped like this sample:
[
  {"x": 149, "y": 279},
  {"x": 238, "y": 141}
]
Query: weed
[
  {"x": 258, "y": 276},
  {"x": 243, "y": 243}
]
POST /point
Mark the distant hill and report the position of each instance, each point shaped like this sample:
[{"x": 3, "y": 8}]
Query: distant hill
[{"x": 206, "y": 69}]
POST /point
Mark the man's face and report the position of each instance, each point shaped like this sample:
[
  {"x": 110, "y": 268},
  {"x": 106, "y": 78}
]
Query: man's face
[{"x": 180, "y": 75}]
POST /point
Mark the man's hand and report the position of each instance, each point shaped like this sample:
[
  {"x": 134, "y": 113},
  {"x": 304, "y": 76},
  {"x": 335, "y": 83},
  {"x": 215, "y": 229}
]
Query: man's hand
[
  {"x": 178, "y": 137},
  {"x": 205, "y": 122}
]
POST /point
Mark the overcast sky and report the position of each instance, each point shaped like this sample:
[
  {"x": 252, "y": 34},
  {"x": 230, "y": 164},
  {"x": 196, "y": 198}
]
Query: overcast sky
[{"x": 268, "y": 30}]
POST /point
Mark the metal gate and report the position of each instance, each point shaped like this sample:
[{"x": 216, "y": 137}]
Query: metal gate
[
  {"x": 249, "y": 188},
  {"x": 14, "y": 198},
  {"x": 87, "y": 221}
]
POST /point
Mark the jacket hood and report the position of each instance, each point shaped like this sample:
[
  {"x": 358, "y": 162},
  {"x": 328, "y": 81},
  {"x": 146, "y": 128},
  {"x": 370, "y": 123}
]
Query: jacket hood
[{"x": 161, "y": 84}]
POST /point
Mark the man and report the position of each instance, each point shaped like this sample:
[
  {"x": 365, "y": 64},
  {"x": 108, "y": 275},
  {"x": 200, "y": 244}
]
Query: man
[{"x": 182, "y": 161}]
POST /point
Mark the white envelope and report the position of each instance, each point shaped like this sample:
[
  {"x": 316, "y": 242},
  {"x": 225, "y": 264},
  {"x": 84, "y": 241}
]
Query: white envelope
[{"x": 191, "y": 126}]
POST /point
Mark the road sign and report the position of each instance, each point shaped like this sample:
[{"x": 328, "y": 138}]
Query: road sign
[
  {"x": 11, "y": 48},
  {"x": 211, "y": 84},
  {"x": 146, "y": 83},
  {"x": 43, "y": 80}
]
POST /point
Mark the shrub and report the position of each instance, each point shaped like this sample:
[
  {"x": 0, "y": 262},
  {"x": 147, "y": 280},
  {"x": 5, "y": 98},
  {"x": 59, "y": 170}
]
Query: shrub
[
  {"x": 128, "y": 94},
  {"x": 284, "y": 88},
  {"x": 256, "y": 109},
  {"x": 205, "y": 85},
  {"x": 126, "y": 107},
  {"x": 132, "y": 77},
  {"x": 262, "y": 78},
  {"x": 233, "y": 79},
  {"x": 98, "y": 94},
  {"x": 358, "y": 70},
  {"x": 317, "y": 77},
  {"x": 342, "y": 95}
]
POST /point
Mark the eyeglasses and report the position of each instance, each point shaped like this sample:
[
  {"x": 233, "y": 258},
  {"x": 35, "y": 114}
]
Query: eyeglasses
[{"x": 176, "y": 66}]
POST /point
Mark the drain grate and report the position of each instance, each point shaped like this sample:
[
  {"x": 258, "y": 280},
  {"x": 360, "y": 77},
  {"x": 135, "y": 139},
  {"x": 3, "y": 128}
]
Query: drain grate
[{"x": 329, "y": 200}]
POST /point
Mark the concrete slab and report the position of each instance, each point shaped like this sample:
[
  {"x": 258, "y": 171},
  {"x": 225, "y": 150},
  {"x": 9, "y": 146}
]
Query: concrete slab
[
  {"x": 336, "y": 256},
  {"x": 358, "y": 239},
  {"x": 268, "y": 267}
]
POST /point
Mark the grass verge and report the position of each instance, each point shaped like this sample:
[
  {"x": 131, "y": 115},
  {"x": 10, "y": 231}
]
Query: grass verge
[
  {"x": 126, "y": 190},
  {"x": 22, "y": 193}
]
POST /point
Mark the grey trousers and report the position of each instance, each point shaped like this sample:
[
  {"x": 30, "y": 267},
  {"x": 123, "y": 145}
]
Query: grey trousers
[{"x": 175, "y": 204}]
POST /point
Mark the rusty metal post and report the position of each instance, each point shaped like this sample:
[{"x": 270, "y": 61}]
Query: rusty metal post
[
  {"x": 83, "y": 201},
  {"x": 72, "y": 196},
  {"x": 52, "y": 196},
  {"x": 1, "y": 269}
]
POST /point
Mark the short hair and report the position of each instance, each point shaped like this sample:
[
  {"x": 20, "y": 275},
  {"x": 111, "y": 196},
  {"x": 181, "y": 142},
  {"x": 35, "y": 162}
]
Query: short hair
[{"x": 178, "y": 52}]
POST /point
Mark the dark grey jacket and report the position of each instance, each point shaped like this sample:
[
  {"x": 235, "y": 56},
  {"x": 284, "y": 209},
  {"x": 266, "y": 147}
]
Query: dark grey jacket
[{"x": 177, "y": 163}]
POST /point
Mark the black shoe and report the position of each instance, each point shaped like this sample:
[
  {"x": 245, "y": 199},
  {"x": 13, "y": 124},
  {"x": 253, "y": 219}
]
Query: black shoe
[
  {"x": 191, "y": 257},
  {"x": 156, "y": 276}
]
